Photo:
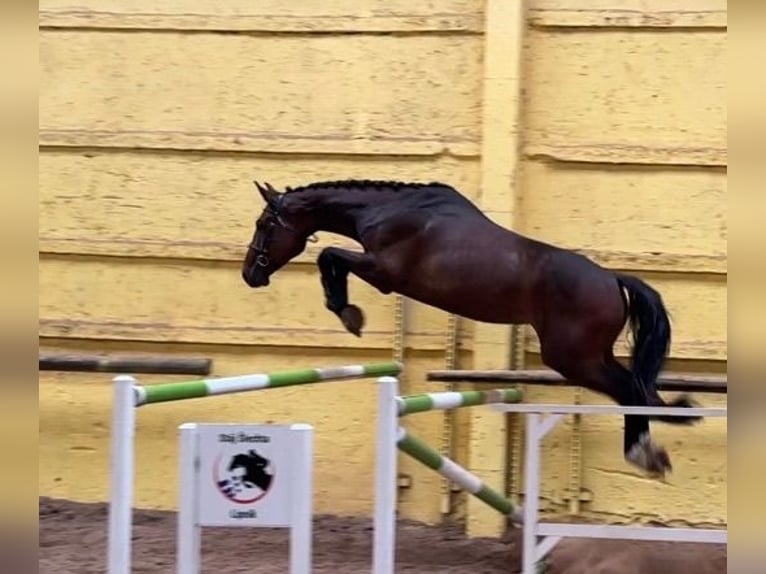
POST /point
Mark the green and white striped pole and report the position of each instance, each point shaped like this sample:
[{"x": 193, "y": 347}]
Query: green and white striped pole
[
  {"x": 455, "y": 399},
  {"x": 468, "y": 481},
  {"x": 207, "y": 387}
]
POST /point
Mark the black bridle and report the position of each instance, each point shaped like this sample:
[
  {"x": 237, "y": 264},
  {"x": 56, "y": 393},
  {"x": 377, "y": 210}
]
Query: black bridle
[{"x": 263, "y": 236}]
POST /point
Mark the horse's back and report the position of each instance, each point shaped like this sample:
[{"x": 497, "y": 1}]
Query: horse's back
[{"x": 433, "y": 215}]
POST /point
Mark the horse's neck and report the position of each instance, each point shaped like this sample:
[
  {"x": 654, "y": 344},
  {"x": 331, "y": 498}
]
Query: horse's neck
[{"x": 341, "y": 212}]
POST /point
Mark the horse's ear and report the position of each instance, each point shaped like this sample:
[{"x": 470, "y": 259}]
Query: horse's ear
[{"x": 268, "y": 193}]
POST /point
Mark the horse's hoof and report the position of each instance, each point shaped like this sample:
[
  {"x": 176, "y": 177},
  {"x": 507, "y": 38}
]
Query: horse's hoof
[
  {"x": 650, "y": 457},
  {"x": 353, "y": 319},
  {"x": 685, "y": 401}
]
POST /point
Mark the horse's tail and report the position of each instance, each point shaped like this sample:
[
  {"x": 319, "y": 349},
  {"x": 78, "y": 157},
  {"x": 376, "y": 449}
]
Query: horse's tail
[{"x": 650, "y": 326}]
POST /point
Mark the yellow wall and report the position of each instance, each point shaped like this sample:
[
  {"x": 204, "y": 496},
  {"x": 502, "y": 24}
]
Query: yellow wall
[{"x": 596, "y": 124}]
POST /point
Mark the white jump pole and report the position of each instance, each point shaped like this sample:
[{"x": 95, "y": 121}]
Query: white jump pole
[
  {"x": 189, "y": 535},
  {"x": 301, "y": 545},
  {"x": 122, "y": 464},
  {"x": 384, "y": 535}
]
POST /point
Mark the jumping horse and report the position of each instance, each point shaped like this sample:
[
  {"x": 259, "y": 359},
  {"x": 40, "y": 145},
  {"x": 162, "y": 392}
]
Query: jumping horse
[{"x": 428, "y": 242}]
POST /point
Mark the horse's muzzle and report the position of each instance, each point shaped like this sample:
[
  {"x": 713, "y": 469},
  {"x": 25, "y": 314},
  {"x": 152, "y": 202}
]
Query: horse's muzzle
[{"x": 255, "y": 277}]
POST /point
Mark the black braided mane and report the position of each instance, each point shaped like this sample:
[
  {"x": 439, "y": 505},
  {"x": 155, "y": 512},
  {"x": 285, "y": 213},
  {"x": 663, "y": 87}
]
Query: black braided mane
[{"x": 363, "y": 185}]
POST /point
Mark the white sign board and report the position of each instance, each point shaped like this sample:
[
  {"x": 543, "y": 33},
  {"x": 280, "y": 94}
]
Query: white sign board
[{"x": 245, "y": 475}]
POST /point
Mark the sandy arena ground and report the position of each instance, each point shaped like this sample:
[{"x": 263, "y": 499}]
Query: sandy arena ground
[{"x": 73, "y": 541}]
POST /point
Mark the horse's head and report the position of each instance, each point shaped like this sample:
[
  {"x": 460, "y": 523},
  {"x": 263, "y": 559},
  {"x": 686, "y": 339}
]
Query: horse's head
[
  {"x": 251, "y": 462},
  {"x": 281, "y": 232},
  {"x": 250, "y": 469}
]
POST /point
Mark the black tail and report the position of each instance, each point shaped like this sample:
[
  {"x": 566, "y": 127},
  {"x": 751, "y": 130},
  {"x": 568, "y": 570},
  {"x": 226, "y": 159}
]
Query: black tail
[{"x": 650, "y": 327}]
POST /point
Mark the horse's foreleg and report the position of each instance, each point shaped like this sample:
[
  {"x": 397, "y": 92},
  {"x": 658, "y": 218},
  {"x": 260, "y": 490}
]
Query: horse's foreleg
[
  {"x": 334, "y": 265},
  {"x": 334, "y": 281}
]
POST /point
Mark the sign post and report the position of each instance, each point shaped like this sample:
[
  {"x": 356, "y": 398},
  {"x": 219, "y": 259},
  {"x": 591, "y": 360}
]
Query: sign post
[{"x": 236, "y": 475}]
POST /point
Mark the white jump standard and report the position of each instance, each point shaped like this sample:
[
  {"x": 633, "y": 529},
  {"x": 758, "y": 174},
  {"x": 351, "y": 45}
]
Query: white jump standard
[
  {"x": 128, "y": 395},
  {"x": 390, "y": 435},
  {"x": 541, "y": 419}
]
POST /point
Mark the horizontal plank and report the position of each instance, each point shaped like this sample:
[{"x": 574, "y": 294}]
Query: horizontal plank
[
  {"x": 167, "y": 301},
  {"x": 622, "y": 532},
  {"x": 196, "y": 206},
  {"x": 610, "y": 410},
  {"x": 656, "y": 262},
  {"x": 111, "y": 364},
  {"x": 666, "y": 381},
  {"x": 260, "y": 336},
  {"x": 623, "y": 97},
  {"x": 619, "y": 153},
  {"x": 382, "y": 94},
  {"x": 640, "y": 210},
  {"x": 304, "y": 16},
  {"x": 629, "y": 13},
  {"x": 688, "y": 348},
  {"x": 253, "y": 142},
  {"x": 177, "y": 250}
]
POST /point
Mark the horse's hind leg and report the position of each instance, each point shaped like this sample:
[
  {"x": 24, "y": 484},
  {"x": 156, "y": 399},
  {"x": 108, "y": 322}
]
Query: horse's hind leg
[
  {"x": 684, "y": 400},
  {"x": 605, "y": 375},
  {"x": 638, "y": 446}
]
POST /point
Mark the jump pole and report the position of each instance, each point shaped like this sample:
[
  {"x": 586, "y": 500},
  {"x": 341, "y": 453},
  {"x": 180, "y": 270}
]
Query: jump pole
[
  {"x": 128, "y": 395},
  {"x": 452, "y": 471},
  {"x": 384, "y": 521},
  {"x": 449, "y": 469},
  {"x": 390, "y": 436},
  {"x": 411, "y": 404}
]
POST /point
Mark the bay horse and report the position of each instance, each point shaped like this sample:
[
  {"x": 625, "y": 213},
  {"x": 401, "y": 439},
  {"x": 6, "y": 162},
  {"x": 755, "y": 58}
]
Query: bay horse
[{"x": 428, "y": 242}]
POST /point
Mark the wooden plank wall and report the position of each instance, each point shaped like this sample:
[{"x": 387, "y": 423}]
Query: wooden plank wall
[{"x": 155, "y": 119}]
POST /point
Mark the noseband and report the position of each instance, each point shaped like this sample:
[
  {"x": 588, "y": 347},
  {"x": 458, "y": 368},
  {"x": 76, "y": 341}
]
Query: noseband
[{"x": 263, "y": 240}]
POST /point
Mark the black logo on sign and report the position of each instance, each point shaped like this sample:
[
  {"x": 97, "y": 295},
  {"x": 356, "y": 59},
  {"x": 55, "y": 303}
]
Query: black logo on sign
[{"x": 247, "y": 477}]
